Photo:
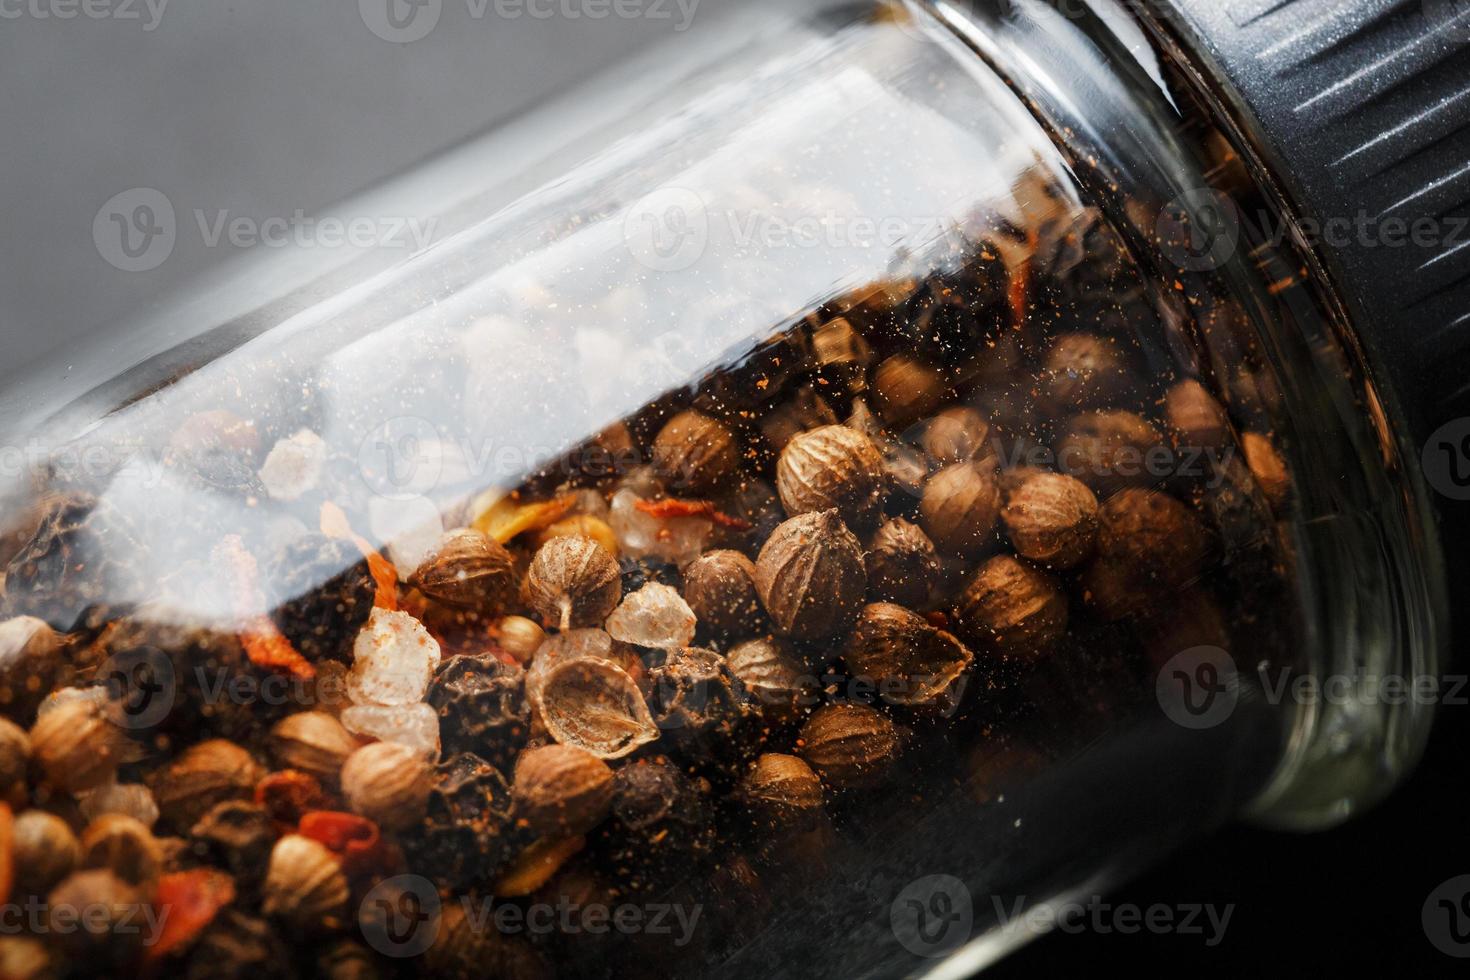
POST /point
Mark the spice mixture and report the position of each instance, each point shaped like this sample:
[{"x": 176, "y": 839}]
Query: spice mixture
[{"x": 931, "y": 523}]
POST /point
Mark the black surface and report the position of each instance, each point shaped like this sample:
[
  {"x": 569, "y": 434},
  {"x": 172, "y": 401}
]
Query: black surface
[{"x": 1344, "y": 902}]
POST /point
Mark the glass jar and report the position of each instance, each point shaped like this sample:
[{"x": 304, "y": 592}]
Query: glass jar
[{"x": 844, "y": 486}]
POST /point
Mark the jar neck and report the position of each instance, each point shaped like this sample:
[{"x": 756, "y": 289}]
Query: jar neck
[{"x": 1124, "y": 106}]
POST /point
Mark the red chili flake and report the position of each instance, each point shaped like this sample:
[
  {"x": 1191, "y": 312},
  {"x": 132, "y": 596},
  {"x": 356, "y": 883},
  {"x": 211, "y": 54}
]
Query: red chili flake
[
  {"x": 269, "y": 649},
  {"x": 354, "y": 839},
  {"x": 187, "y": 902},
  {"x": 1019, "y": 293},
  {"x": 670, "y": 509},
  {"x": 265, "y": 645},
  {"x": 288, "y": 794},
  {"x": 937, "y": 619},
  {"x": 334, "y": 524}
]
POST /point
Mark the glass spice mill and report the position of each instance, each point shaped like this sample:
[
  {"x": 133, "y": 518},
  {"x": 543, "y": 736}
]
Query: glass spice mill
[{"x": 879, "y": 478}]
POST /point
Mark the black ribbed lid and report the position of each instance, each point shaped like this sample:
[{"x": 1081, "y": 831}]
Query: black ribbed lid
[
  {"x": 1363, "y": 107},
  {"x": 1366, "y": 104}
]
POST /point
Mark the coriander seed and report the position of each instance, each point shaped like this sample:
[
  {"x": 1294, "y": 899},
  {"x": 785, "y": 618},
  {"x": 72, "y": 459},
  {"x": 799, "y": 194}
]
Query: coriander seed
[
  {"x": 851, "y": 746},
  {"x": 783, "y": 789},
  {"x": 561, "y": 790},
  {"x": 696, "y": 453},
  {"x": 111, "y": 937},
  {"x": 1113, "y": 450},
  {"x": 959, "y": 508},
  {"x": 1148, "y": 545},
  {"x": 810, "y": 576},
  {"x": 906, "y": 390},
  {"x": 1012, "y": 609},
  {"x": 832, "y": 467},
  {"x": 76, "y": 745},
  {"x": 304, "y": 885},
  {"x": 779, "y": 684},
  {"x": 911, "y": 663},
  {"x": 1083, "y": 371},
  {"x": 203, "y": 775},
  {"x": 1051, "y": 519},
  {"x": 1195, "y": 419},
  {"x": 958, "y": 435},
  {"x": 719, "y": 587},
  {"x": 313, "y": 742},
  {"x": 903, "y": 564},
  {"x": 30, "y": 663},
  {"x": 518, "y": 636},
  {"x": 573, "y": 582},
  {"x": 388, "y": 783},
  {"x": 470, "y": 570},
  {"x": 15, "y": 754},
  {"x": 124, "y": 846},
  {"x": 45, "y": 852}
]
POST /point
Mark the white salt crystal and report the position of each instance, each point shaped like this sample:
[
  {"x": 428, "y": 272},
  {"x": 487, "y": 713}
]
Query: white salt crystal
[
  {"x": 411, "y": 527},
  {"x": 654, "y": 616},
  {"x": 393, "y": 660},
  {"x": 678, "y": 540},
  {"x": 413, "y": 725},
  {"x": 294, "y": 465}
]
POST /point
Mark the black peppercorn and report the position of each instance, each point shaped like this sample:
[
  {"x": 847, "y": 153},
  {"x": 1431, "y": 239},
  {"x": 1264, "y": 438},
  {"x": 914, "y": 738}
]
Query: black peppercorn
[
  {"x": 237, "y": 946},
  {"x": 638, "y": 572},
  {"x": 217, "y": 469},
  {"x": 324, "y": 593},
  {"x": 77, "y": 567},
  {"x": 152, "y": 656},
  {"x": 702, "y": 709},
  {"x": 661, "y": 827},
  {"x": 482, "y": 707},
  {"x": 237, "y": 836},
  {"x": 467, "y": 835}
]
